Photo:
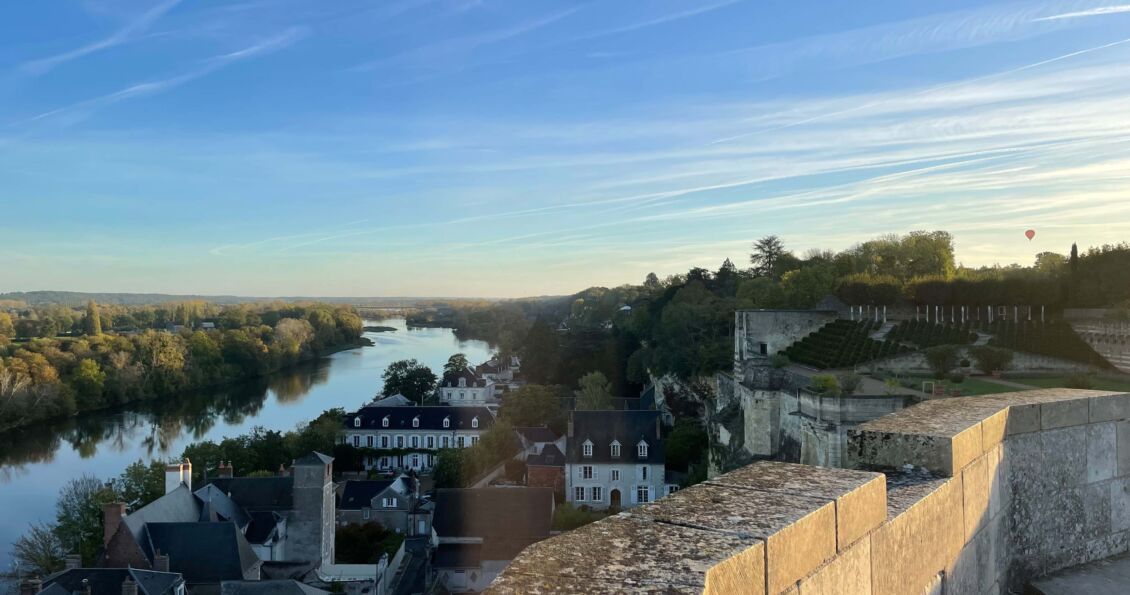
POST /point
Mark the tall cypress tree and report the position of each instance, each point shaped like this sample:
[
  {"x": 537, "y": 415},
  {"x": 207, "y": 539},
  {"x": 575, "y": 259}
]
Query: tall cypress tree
[{"x": 93, "y": 323}]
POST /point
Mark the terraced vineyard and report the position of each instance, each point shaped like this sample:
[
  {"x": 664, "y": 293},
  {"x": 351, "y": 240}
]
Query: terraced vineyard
[
  {"x": 840, "y": 344},
  {"x": 928, "y": 334},
  {"x": 1055, "y": 339}
]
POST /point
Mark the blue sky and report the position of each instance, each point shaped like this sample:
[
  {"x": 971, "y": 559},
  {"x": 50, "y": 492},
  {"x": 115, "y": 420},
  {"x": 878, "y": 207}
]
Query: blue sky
[{"x": 522, "y": 147}]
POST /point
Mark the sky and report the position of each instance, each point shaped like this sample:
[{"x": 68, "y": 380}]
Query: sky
[{"x": 508, "y": 148}]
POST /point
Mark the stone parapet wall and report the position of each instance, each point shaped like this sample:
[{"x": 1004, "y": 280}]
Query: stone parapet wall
[
  {"x": 972, "y": 495},
  {"x": 915, "y": 362}
]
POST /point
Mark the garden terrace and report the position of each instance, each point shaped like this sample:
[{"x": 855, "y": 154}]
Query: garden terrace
[
  {"x": 1056, "y": 339},
  {"x": 841, "y": 343},
  {"x": 928, "y": 334}
]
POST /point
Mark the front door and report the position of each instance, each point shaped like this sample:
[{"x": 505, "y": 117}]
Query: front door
[{"x": 614, "y": 498}]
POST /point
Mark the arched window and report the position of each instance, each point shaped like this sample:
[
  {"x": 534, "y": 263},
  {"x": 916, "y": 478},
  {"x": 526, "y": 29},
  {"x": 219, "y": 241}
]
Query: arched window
[
  {"x": 384, "y": 422},
  {"x": 586, "y": 448},
  {"x": 357, "y": 422},
  {"x": 615, "y": 449},
  {"x": 475, "y": 422},
  {"x": 447, "y": 422},
  {"x": 641, "y": 449},
  {"x": 416, "y": 422}
]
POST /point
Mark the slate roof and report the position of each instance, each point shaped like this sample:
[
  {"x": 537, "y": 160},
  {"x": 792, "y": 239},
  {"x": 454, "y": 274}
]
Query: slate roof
[
  {"x": 179, "y": 505},
  {"x": 506, "y": 519},
  {"x": 257, "y": 493},
  {"x": 537, "y": 434},
  {"x": 108, "y": 581},
  {"x": 550, "y": 456},
  {"x": 268, "y": 587},
  {"x": 360, "y": 493},
  {"x": 315, "y": 459},
  {"x": 202, "y": 552},
  {"x": 604, "y": 427},
  {"x": 473, "y": 379},
  {"x": 217, "y": 506},
  {"x": 397, "y": 400},
  {"x": 262, "y": 526},
  {"x": 431, "y": 417},
  {"x": 458, "y": 555}
]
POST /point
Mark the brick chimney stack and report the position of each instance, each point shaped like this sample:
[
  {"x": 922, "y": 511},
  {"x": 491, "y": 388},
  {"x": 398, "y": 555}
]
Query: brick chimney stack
[
  {"x": 282, "y": 470},
  {"x": 31, "y": 586},
  {"x": 129, "y": 587},
  {"x": 174, "y": 476},
  {"x": 112, "y": 514},
  {"x": 225, "y": 469},
  {"x": 186, "y": 473},
  {"x": 72, "y": 561},
  {"x": 160, "y": 562}
]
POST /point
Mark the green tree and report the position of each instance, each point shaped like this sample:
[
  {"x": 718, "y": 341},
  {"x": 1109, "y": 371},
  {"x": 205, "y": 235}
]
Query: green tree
[
  {"x": 409, "y": 378},
  {"x": 365, "y": 543},
  {"x": 78, "y": 516},
  {"x": 686, "y": 444},
  {"x": 594, "y": 392},
  {"x": 540, "y": 353},
  {"x": 991, "y": 359},
  {"x": 7, "y": 329},
  {"x": 942, "y": 359},
  {"x": 141, "y": 483},
  {"x": 455, "y": 364},
  {"x": 88, "y": 380},
  {"x": 766, "y": 252},
  {"x": 448, "y": 470},
  {"x": 39, "y": 551},
  {"x": 533, "y": 405},
  {"x": 92, "y": 324}
]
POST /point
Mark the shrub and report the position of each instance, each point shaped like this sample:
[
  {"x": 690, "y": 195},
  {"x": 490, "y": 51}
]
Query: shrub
[
  {"x": 849, "y": 383},
  {"x": 941, "y": 359},
  {"x": 957, "y": 378},
  {"x": 991, "y": 359},
  {"x": 779, "y": 360},
  {"x": 825, "y": 384},
  {"x": 1078, "y": 381},
  {"x": 964, "y": 363}
]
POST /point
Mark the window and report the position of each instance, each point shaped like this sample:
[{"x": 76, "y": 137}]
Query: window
[
  {"x": 384, "y": 462},
  {"x": 474, "y": 440},
  {"x": 388, "y": 502},
  {"x": 415, "y": 461},
  {"x": 462, "y": 395},
  {"x": 369, "y": 461},
  {"x": 643, "y": 472},
  {"x": 415, "y": 442},
  {"x": 641, "y": 449},
  {"x": 643, "y": 494},
  {"x": 579, "y": 494},
  {"x": 445, "y": 442},
  {"x": 586, "y": 472},
  {"x": 356, "y": 441},
  {"x": 416, "y": 422},
  {"x": 431, "y": 441},
  {"x": 462, "y": 384},
  {"x": 460, "y": 441},
  {"x": 365, "y": 513},
  {"x": 615, "y": 450},
  {"x": 384, "y": 422},
  {"x": 357, "y": 422},
  {"x": 474, "y": 422},
  {"x": 763, "y": 348},
  {"x": 614, "y": 475},
  {"x": 597, "y": 494},
  {"x": 586, "y": 449},
  {"x": 671, "y": 489},
  {"x": 384, "y": 441},
  {"x": 369, "y": 441},
  {"x": 400, "y": 441},
  {"x": 447, "y": 422}
]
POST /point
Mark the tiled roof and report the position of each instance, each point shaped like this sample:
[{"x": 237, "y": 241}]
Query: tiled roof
[
  {"x": 431, "y": 418},
  {"x": 603, "y": 427}
]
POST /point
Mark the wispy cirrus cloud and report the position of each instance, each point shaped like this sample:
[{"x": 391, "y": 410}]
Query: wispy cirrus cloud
[
  {"x": 125, "y": 34},
  {"x": 1091, "y": 12}
]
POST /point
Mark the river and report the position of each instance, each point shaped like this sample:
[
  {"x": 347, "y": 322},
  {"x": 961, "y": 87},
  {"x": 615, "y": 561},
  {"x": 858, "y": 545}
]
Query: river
[{"x": 36, "y": 462}]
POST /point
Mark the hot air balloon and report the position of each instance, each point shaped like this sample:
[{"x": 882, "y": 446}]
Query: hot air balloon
[{"x": 1031, "y": 233}]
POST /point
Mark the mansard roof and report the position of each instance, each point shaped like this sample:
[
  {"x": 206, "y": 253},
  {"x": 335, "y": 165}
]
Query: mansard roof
[
  {"x": 431, "y": 418},
  {"x": 473, "y": 379},
  {"x": 602, "y": 428}
]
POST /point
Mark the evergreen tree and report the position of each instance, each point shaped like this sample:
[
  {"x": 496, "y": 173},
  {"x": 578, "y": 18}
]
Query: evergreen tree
[
  {"x": 93, "y": 323},
  {"x": 766, "y": 252}
]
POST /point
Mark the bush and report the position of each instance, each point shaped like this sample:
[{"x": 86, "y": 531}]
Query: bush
[
  {"x": 991, "y": 359},
  {"x": 779, "y": 360},
  {"x": 957, "y": 378},
  {"x": 567, "y": 517},
  {"x": 849, "y": 383},
  {"x": 1079, "y": 381},
  {"x": 941, "y": 359},
  {"x": 964, "y": 363},
  {"x": 824, "y": 384}
]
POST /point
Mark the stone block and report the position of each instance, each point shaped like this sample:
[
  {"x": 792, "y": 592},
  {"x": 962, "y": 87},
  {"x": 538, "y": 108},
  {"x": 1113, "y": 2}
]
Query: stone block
[
  {"x": 1023, "y": 419},
  {"x": 998, "y": 481},
  {"x": 1120, "y": 504},
  {"x": 941, "y": 455},
  {"x": 1096, "y": 509},
  {"x": 1064, "y": 457},
  {"x": 1062, "y": 414},
  {"x": 799, "y": 533},
  {"x": 743, "y": 573},
  {"x": 974, "y": 568},
  {"x": 976, "y": 486},
  {"x": 1102, "y": 451},
  {"x": 860, "y": 496},
  {"x": 1122, "y": 430},
  {"x": 912, "y": 548},
  {"x": 849, "y": 572},
  {"x": 1110, "y": 408},
  {"x": 993, "y": 429}
]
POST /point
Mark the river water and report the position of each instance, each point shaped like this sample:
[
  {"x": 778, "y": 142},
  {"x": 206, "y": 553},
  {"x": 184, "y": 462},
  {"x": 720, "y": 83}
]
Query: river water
[{"x": 36, "y": 462}]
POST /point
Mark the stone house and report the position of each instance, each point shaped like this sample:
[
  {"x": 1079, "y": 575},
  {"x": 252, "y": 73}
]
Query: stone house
[
  {"x": 403, "y": 438},
  {"x": 614, "y": 459},
  {"x": 467, "y": 389},
  {"x": 546, "y": 469},
  {"x": 392, "y": 503},
  {"x": 478, "y": 531}
]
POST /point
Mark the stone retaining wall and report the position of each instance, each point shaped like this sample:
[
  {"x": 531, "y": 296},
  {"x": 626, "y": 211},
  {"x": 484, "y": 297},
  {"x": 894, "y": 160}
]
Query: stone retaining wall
[{"x": 975, "y": 495}]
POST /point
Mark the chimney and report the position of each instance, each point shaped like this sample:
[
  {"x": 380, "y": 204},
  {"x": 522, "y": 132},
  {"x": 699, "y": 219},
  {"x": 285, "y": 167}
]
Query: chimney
[
  {"x": 112, "y": 514},
  {"x": 160, "y": 562},
  {"x": 570, "y": 429},
  {"x": 31, "y": 586},
  {"x": 173, "y": 476},
  {"x": 658, "y": 433},
  {"x": 73, "y": 561},
  {"x": 86, "y": 586},
  {"x": 225, "y": 469},
  {"x": 186, "y": 473},
  {"x": 129, "y": 587},
  {"x": 282, "y": 470}
]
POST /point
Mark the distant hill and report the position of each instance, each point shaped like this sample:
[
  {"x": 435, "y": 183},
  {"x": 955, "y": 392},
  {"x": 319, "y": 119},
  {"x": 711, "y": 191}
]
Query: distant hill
[{"x": 78, "y": 298}]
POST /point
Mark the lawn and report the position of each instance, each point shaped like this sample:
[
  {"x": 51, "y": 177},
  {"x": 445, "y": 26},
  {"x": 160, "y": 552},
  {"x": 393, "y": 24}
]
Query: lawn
[
  {"x": 1098, "y": 382},
  {"x": 971, "y": 386}
]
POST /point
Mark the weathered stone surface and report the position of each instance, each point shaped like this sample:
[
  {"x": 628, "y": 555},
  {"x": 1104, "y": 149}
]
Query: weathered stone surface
[
  {"x": 1060, "y": 414},
  {"x": 849, "y": 572},
  {"x": 512, "y": 584},
  {"x": 916, "y": 545},
  {"x": 1122, "y": 429},
  {"x": 1120, "y": 504},
  {"x": 1096, "y": 508},
  {"x": 799, "y": 532},
  {"x": 907, "y": 488},
  {"x": 743, "y": 573},
  {"x": 993, "y": 429},
  {"x": 860, "y": 496},
  {"x": 1110, "y": 408},
  {"x": 974, "y": 566},
  {"x": 624, "y": 550},
  {"x": 1064, "y": 457},
  {"x": 1023, "y": 419},
  {"x": 1102, "y": 451},
  {"x": 976, "y": 483}
]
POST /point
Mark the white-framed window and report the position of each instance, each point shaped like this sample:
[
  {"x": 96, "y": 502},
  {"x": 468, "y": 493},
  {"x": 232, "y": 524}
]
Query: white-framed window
[
  {"x": 365, "y": 513},
  {"x": 474, "y": 422},
  {"x": 586, "y": 449},
  {"x": 384, "y": 422},
  {"x": 641, "y": 449},
  {"x": 357, "y": 422},
  {"x": 643, "y": 472},
  {"x": 461, "y": 441},
  {"x": 474, "y": 440},
  {"x": 462, "y": 395},
  {"x": 415, "y": 461},
  {"x": 369, "y": 461},
  {"x": 446, "y": 442},
  {"x": 431, "y": 441},
  {"x": 356, "y": 441},
  {"x": 384, "y": 462},
  {"x": 579, "y": 494},
  {"x": 400, "y": 441},
  {"x": 462, "y": 384},
  {"x": 447, "y": 422},
  {"x": 597, "y": 494},
  {"x": 614, "y": 475},
  {"x": 415, "y": 442},
  {"x": 384, "y": 441},
  {"x": 586, "y": 472},
  {"x": 388, "y": 502},
  {"x": 643, "y": 494},
  {"x": 671, "y": 489},
  {"x": 615, "y": 448},
  {"x": 416, "y": 421},
  {"x": 369, "y": 441}
]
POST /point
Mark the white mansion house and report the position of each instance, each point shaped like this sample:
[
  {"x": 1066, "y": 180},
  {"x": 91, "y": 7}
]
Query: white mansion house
[
  {"x": 408, "y": 437},
  {"x": 614, "y": 459}
]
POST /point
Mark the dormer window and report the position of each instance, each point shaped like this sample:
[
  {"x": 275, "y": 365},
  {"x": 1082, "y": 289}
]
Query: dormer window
[
  {"x": 475, "y": 422},
  {"x": 462, "y": 383},
  {"x": 615, "y": 449},
  {"x": 416, "y": 422},
  {"x": 641, "y": 449},
  {"x": 357, "y": 422},
  {"x": 447, "y": 422},
  {"x": 384, "y": 422},
  {"x": 586, "y": 448}
]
